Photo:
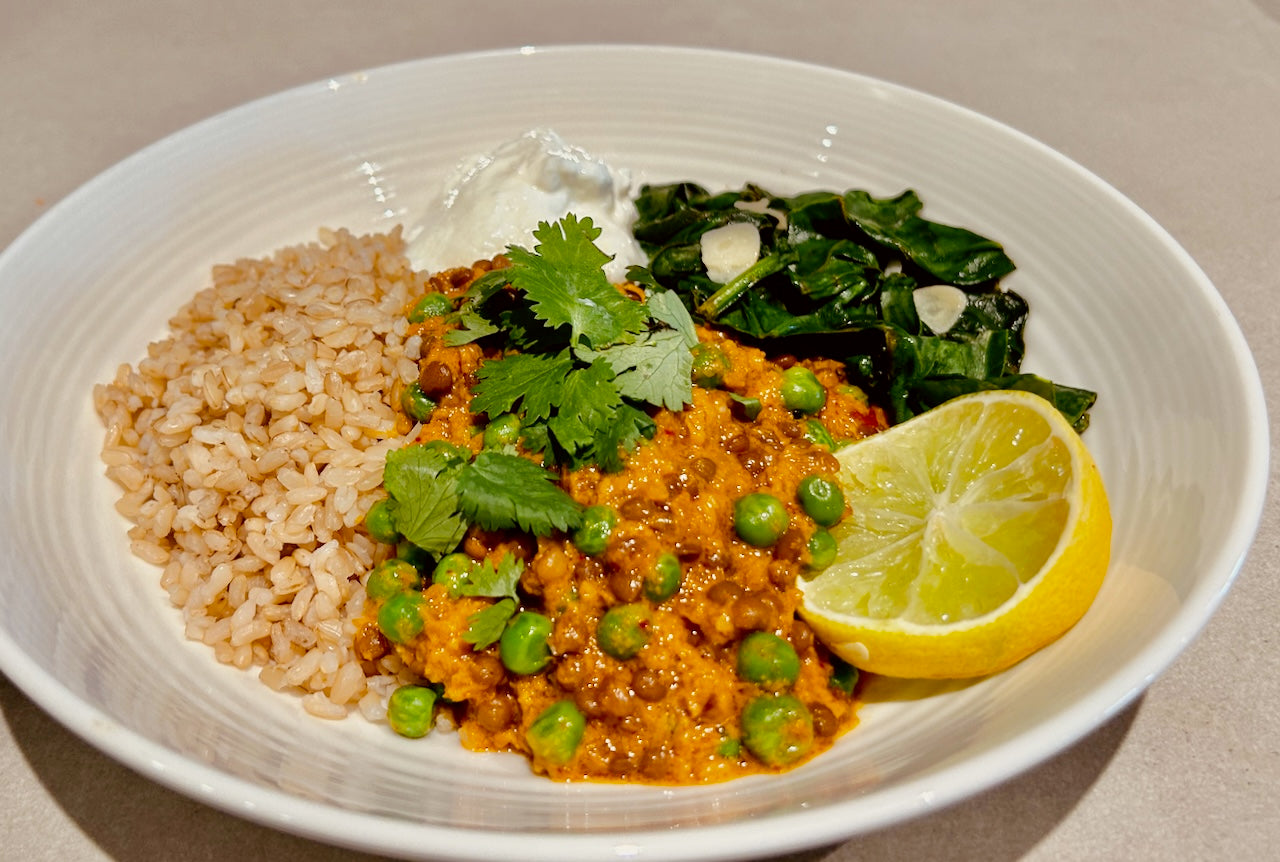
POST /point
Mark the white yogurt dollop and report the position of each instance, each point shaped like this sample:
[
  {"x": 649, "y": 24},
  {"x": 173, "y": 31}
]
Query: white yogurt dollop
[{"x": 499, "y": 199}]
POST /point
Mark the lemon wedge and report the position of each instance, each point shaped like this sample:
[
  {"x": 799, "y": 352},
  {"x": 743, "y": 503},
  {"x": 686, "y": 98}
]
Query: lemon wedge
[{"x": 980, "y": 532}]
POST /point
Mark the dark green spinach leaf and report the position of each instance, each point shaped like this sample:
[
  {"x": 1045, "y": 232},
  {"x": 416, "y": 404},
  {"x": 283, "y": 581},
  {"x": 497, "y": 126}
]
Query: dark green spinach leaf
[{"x": 835, "y": 277}]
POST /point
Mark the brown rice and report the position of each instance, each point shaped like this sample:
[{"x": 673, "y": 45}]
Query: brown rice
[{"x": 249, "y": 445}]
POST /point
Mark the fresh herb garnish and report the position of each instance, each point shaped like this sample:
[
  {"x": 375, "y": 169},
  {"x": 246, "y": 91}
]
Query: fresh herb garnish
[
  {"x": 583, "y": 364},
  {"x": 655, "y": 367},
  {"x": 438, "y": 491},
  {"x": 423, "y": 483},
  {"x": 835, "y": 276},
  {"x": 501, "y": 491},
  {"x": 587, "y": 360},
  {"x": 530, "y": 380},
  {"x": 485, "y": 627},
  {"x": 486, "y": 580},
  {"x": 563, "y": 280}
]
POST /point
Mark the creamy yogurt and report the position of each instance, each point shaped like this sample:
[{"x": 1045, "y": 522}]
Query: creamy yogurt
[{"x": 498, "y": 200}]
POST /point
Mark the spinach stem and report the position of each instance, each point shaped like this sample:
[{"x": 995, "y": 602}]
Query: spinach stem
[{"x": 719, "y": 301}]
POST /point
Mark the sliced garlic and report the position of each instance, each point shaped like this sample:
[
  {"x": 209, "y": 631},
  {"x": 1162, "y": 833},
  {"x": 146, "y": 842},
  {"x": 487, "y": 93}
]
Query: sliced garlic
[
  {"x": 762, "y": 206},
  {"x": 939, "y": 306},
  {"x": 730, "y": 249}
]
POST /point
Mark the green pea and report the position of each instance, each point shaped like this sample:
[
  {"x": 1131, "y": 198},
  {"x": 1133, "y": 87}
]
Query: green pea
[
  {"x": 760, "y": 519},
  {"x": 390, "y": 577},
  {"x": 663, "y": 580},
  {"x": 817, "y": 434},
  {"x": 709, "y": 366},
  {"x": 592, "y": 537},
  {"x": 523, "y": 646},
  {"x": 768, "y": 660},
  {"x": 744, "y": 407},
  {"x": 414, "y": 402},
  {"x": 415, "y": 556},
  {"x": 802, "y": 391},
  {"x": 777, "y": 729},
  {"x": 555, "y": 734},
  {"x": 623, "y": 630},
  {"x": 822, "y": 499},
  {"x": 844, "y": 676},
  {"x": 862, "y": 366},
  {"x": 452, "y": 571},
  {"x": 729, "y": 748},
  {"x": 503, "y": 430},
  {"x": 822, "y": 550},
  {"x": 411, "y": 710},
  {"x": 430, "y": 305},
  {"x": 400, "y": 618},
  {"x": 854, "y": 392},
  {"x": 380, "y": 521}
]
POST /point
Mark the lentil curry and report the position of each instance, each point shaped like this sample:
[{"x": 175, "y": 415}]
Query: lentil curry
[{"x": 659, "y": 642}]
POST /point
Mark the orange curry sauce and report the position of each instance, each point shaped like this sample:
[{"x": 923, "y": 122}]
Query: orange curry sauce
[{"x": 671, "y": 714}]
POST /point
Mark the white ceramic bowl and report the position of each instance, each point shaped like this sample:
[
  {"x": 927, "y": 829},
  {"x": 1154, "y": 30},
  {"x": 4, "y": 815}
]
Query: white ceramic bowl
[{"x": 1179, "y": 432}]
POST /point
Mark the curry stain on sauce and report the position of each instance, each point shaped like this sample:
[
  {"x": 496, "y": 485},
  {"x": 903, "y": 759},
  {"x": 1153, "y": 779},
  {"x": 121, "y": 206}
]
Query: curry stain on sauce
[{"x": 671, "y": 714}]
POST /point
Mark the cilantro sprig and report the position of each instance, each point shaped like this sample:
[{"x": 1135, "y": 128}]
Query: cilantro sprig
[
  {"x": 499, "y": 490},
  {"x": 484, "y": 579},
  {"x": 529, "y": 380},
  {"x": 563, "y": 279},
  {"x": 586, "y": 360},
  {"x": 485, "y": 627},
  {"x": 438, "y": 490},
  {"x": 423, "y": 483},
  {"x": 581, "y": 364}
]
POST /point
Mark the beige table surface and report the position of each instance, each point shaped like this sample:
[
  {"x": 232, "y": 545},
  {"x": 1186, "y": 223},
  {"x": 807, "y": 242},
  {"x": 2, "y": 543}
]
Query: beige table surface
[{"x": 1176, "y": 103}]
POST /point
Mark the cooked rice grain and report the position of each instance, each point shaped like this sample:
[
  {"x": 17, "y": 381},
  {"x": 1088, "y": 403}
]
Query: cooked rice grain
[{"x": 249, "y": 445}]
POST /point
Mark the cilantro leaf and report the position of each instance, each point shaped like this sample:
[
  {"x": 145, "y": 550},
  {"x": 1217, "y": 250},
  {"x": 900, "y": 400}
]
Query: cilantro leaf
[
  {"x": 535, "y": 436},
  {"x": 473, "y": 324},
  {"x": 422, "y": 479},
  {"x": 582, "y": 357},
  {"x": 471, "y": 327},
  {"x": 525, "y": 332},
  {"x": 501, "y": 491},
  {"x": 490, "y": 581},
  {"x": 564, "y": 280},
  {"x": 665, "y": 306},
  {"x": 657, "y": 368},
  {"x": 588, "y": 403},
  {"x": 531, "y": 378},
  {"x": 406, "y": 466},
  {"x": 485, "y": 627},
  {"x": 628, "y": 428}
]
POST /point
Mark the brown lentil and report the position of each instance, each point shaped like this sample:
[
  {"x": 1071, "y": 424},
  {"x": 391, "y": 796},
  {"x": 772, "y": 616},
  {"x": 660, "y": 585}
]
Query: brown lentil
[
  {"x": 825, "y": 722},
  {"x": 435, "y": 379},
  {"x": 752, "y": 612},
  {"x": 724, "y": 592}
]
